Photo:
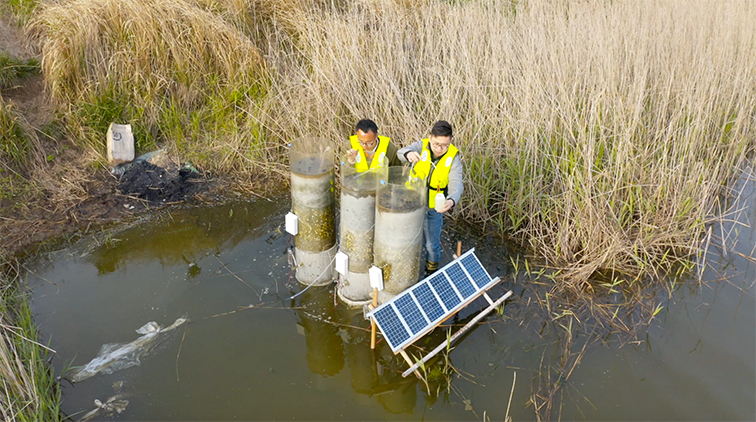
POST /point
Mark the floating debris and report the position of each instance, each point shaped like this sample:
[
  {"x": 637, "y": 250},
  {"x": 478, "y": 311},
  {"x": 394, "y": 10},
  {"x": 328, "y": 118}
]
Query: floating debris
[
  {"x": 115, "y": 404},
  {"x": 112, "y": 405},
  {"x": 116, "y": 356}
]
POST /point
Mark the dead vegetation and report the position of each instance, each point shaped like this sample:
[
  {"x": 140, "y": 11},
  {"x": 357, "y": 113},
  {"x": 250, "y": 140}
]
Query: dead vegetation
[{"x": 605, "y": 135}]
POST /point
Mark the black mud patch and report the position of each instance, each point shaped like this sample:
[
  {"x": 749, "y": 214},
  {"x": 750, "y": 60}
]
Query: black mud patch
[{"x": 158, "y": 185}]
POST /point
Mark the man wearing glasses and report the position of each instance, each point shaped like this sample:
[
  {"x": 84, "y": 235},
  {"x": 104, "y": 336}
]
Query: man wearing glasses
[
  {"x": 370, "y": 150},
  {"x": 437, "y": 161}
]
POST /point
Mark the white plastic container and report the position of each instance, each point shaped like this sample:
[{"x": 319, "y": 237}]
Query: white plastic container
[
  {"x": 440, "y": 201},
  {"x": 120, "y": 144}
]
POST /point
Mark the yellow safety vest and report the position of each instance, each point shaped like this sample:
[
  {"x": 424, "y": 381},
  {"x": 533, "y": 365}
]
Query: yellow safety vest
[
  {"x": 361, "y": 164},
  {"x": 439, "y": 177}
]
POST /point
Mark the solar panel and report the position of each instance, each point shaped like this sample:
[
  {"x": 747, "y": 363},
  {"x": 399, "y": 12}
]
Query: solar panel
[
  {"x": 428, "y": 302},
  {"x": 461, "y": 281},
  {"x": 391, "y": 326},
  {"x": 420, "y": 308},
  {"x": 476, "y": 271},
  {"x": 444, "y": 290},
  {"x": 412, "y": 316}
]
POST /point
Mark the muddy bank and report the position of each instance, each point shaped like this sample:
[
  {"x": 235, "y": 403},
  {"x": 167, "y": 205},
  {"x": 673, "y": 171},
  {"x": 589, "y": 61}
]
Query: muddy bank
[{"x": 101, "y": 198}]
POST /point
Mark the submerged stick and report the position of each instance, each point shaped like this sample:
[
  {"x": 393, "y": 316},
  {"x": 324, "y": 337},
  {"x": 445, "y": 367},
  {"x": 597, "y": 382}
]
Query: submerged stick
[
  {"x": 511, "y": 393},
  {"x": 179, "y": 354},
  {"x": 259, "y": 296}
]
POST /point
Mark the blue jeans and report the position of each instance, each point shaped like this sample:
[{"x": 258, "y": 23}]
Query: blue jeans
[{"x": 432, "y": 226}]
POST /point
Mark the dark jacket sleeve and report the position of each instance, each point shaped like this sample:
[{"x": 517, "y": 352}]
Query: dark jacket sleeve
[{"x": 393, "y": 160}]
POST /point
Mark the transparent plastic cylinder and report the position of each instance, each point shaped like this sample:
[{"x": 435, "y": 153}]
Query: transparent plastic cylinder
[
  {"x": 313, "y": 202},
  {"x": 358, "y": 215},
  {"x": 315, "y": 268},
  {"x": 400, "y": 212},
  {"x": 357, "y": 229}
]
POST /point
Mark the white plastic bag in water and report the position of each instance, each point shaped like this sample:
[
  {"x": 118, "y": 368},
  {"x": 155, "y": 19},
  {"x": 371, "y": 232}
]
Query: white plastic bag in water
[{"x": 116, "y": 356}]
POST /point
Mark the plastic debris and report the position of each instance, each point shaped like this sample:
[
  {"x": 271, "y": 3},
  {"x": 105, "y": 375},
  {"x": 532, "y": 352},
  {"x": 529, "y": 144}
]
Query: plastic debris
[
  {"x": 121, "y": 168},
  {"x": 112, "y": 405},
  {"x": 116, "y": 356},
  {"x": 120, "y": 140}
]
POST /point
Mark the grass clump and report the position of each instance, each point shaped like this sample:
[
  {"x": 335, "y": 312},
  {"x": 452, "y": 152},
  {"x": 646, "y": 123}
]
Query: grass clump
[
  {"x": 21, "y": 9},
  {"x": 173, "y": 70},
  {"x": 12, "y": 68},
  {"x": 28, "y": 391},
  {"x": 19, "y": 145}
]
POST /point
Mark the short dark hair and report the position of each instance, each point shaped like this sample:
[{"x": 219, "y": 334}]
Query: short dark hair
[
  {"x": 442, "y": 128},
  {"x": 366, "y": 125}
]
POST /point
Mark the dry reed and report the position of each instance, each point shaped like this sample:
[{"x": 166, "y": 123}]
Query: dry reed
[
  {"x": 602, "y": 133},
  {"x": 172, "y": 69}
]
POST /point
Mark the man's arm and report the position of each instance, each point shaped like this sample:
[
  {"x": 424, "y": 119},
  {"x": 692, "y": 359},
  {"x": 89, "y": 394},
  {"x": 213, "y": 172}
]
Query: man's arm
[
  {"x": 391, "y": 155},
  {"x": 455, "y": 180},
  {"x": 416, "y": 146}
]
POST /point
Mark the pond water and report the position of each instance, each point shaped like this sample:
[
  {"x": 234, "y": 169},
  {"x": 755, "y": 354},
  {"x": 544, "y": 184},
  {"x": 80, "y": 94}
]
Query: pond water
[{"x": 251, "y": 352}]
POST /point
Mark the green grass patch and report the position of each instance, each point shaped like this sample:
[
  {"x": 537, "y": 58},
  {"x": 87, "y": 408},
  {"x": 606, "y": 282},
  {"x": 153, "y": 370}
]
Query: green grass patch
[
  {"x": 28, "y": 391},
  {"x": 12, "y": 68},
  {"x": 22, "y": 9},
  {"x": 17, "y": 138}
]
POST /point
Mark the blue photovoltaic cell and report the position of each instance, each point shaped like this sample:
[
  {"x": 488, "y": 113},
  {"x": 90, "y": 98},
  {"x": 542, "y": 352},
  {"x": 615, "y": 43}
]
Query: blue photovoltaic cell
[
  {"x": 391, "y": 327},
  {"x": 444, "y": 291},
  {"x": 476, "y": 271},
  {"x": 411, "y": 313},
  {"x": 428, "y": 302},
  {"x": 460, "y": 281},
  {"x": 407, "y": 315}
]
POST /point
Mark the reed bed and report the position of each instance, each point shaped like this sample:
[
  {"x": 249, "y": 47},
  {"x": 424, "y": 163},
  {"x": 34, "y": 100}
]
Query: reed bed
[{"x": 603, "y": 134}]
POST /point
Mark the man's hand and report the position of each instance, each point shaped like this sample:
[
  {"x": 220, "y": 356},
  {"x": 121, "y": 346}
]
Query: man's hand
[
  {"x": 413, "y": 157},
  {"x": 447, "y": 205},
  {"x": 352, "y": 156}
]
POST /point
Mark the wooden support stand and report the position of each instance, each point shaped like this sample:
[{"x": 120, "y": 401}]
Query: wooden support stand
[
  {"x": 483, "y": 313},
  {"x": 400, "y": 325},
  {"x": 373, "y": 328}
]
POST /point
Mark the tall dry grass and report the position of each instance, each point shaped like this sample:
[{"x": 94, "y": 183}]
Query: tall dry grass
[
  {"x": 171, "y": 68},
  {"x": 602, "y": 133}
]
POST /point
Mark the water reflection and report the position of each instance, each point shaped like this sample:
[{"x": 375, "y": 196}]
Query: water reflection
[
  {"x": 184, "y": 235},
  {"x": 335, "y": 334},
  {"x": 317, "y": 318}
]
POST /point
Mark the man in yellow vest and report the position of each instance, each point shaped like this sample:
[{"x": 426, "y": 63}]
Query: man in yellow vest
[
  {"x": 370, "y": 150},
  {"x": 437, "y": 161}
]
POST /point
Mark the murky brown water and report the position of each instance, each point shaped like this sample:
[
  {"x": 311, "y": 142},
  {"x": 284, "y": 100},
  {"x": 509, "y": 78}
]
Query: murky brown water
[{"x": 307, "y": 359}]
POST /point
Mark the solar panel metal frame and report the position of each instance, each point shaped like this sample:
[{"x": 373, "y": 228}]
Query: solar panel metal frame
[{"x": 387, "y": 328}]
